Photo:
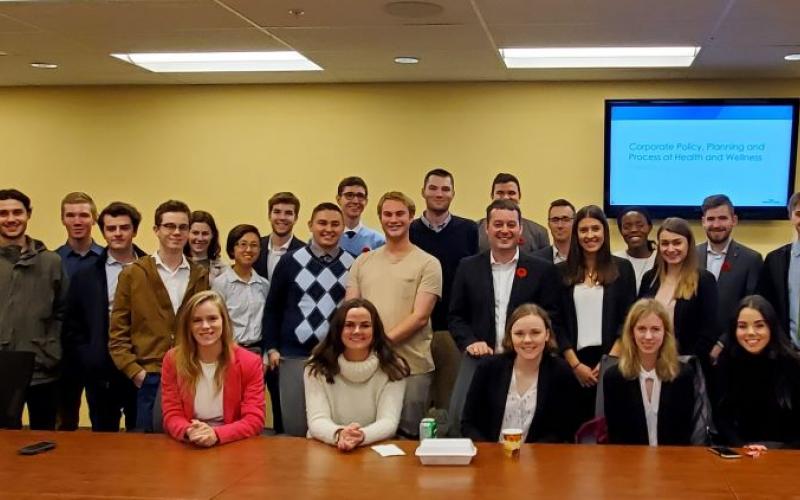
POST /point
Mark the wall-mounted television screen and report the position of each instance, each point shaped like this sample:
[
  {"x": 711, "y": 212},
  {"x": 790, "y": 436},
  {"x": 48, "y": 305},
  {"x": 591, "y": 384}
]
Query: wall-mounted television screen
[{"x": 669, "y": 154}]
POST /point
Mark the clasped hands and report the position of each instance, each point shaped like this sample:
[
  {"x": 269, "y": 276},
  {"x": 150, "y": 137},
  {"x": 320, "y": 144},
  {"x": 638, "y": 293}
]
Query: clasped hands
[
  {"x": 201, "y": 434},
  {"x": 349, "y": 437}
]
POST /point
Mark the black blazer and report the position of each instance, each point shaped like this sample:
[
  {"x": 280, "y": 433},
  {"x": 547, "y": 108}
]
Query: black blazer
[
  {"x": 471, "y": 315},
  {"x": 85, "y": 330},
  {"x": 486, "y": 401},
  {"x": 696, "y": 319},
  {"x": 773, "y": 283},
  {"x": 624, "y": 409},
  {"x": 545, "y": 253},
  {"x": 737, "y": 279},
  {"x": 617, "y": 299},
  {"x": 260, "y": 264}
]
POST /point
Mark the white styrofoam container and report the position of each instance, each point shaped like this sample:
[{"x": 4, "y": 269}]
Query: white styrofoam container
[{"x": 446, "y": 451}]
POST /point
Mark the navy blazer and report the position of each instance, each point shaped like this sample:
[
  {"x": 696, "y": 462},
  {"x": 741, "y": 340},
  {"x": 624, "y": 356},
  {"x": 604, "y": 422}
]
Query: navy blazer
[
  {"x": 260, "y": 265},
  {"x": 737, "y": 279},
  {"x": 471, "y": 315},
  {"x": 553, "y": 421},
  {"x": 773, "y": 283},
  {"x": 695, "y": 319},
  {"x": 624, "y": 409},
  {"x": 617, "y": 299},
  {"x": 86, "y": 324}
]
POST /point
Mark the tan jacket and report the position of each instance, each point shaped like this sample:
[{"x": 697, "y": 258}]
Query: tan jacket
[{"x": 143, "y": 322}]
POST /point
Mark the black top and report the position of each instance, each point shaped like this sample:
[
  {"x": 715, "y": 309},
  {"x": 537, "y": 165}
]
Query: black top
[
  {"x": 457, "y": 240},
  {"x": 472, "y": 305},
  {"x": 695, "y": 319},
  {"x": 773, "y": 282},
  {"x": 486, "y": 401},
  {"x": 624, "y": 409}
]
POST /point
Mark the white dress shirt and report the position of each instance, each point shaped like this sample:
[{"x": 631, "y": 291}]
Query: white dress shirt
[
  {"x": 175, "y": 281},
  {"x": 275, "y": 254},
  {"x": 651, "y": 405},
  {"x": 207, "y": 399},
  {"x": 589, "y": 312},
  {"x": 502, "y": 279},
  {"x": 520, "y": 408},
  {"x": 714, "y": 260},
  {"x": 245, "y": 301},
  {"x": 113, "y": 269}
]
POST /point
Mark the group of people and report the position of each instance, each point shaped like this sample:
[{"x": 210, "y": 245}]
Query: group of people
[{"x": 358, "y": 334}]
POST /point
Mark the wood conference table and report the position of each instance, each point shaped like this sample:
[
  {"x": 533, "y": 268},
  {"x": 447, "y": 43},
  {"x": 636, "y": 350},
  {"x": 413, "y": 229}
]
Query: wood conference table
[{"x": 89, "y": 465}]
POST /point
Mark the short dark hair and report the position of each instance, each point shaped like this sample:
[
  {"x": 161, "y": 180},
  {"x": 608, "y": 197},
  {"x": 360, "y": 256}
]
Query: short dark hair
[
  {"x": 503, "y": 178},
  {"x": 793, "y": 200},
  {"x": 502, "y": 205},
  {"x": 119, "y": 209},
  {"x": 351, "y": 181},
  {"x": 287, "y": 198},
  {"x": 14, "y": 194},
  {"x": 639, "y": 210},
  {"x": 325, "y": 206},
  {"x": 716, "y": 200},
  {"x": 171, "y": 206},
  {"x": 438, "y": 172},
  {"x": 235, "y": 234},
  {"x": 561, "y": 202},
  {"x": 213, "y": 245}
]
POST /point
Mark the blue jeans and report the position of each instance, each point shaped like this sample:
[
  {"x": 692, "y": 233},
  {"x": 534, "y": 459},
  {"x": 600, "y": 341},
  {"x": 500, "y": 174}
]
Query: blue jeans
[{"x": 145, "y": 399}]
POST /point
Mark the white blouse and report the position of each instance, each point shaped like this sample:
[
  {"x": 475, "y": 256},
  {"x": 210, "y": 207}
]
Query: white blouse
[
  {"x": 207, "y": 400},
  {"x": 651, "y": 405},
  {"x": 520, "y": 409},
  {"x": 589, "y": 312}
]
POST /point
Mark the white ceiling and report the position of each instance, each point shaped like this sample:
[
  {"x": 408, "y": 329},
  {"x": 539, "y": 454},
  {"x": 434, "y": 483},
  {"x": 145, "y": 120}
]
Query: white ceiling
[{"x": 357, "y": 40}]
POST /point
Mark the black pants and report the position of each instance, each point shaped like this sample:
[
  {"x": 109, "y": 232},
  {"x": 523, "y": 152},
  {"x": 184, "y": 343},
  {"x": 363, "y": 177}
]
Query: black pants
[
  {"x": 271, "y": 379},
  {"x": 109, "y": 398},
  {"x": 69, "y": 395},
  {"x": 42, "y": 403},
  {"x": 587, "y": 396}
]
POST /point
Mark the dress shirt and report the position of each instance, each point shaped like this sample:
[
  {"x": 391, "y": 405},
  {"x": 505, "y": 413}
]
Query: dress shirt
[
  {"x": 589, "y": 313},
  {"x": 73, "y": 261},
  {"x": 651, "y": 404},
  {"x": 436, "y": 227},
  {"x": 520, "y": 408},
  {"x": 175, "y": 281},
  {"x": 350, "y": 232},
  {"x": 275, "y": 254},
  {"x": 714, "y": 260},
  {"x": 113, "y": 268},
  {"x": 794, "y": 292},
  {"x": 557, "y": 257},
  {"x": 245, "y": 301},
  {"x": 502, "y": 279},
  {"x": 326, "y": 257}
]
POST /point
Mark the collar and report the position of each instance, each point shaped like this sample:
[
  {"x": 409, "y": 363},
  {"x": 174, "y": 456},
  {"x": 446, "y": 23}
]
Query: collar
[
  {"x": 724, "y": 251},
  {"x": 436, "y": 227},
  {"x": 183, "y": 265},
  {"x": 65, "y": 250},
  {"x": 647, "y": 374},
  {"x": 230, "y": 276},
  {"x": 512, "y": 261},
  {"x": 110, "y": 261},
  {"x": 796, "y": 248},
  {"x": 356, "y": 229},
  {"x": 319, "y": 252},
  {"x": 285, "y": 246}
]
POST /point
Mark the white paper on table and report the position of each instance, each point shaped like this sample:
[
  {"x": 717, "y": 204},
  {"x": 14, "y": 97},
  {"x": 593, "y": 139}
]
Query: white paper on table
[{"x": 388, "y": 450}]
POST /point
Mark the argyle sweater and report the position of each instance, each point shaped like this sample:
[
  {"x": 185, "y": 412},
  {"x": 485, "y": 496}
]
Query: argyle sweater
[{"x": 303, "y": 294}]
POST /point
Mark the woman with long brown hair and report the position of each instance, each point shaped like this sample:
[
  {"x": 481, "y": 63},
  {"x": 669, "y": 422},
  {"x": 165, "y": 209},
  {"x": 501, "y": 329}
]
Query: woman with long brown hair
[{"x": 212, "y": 390}]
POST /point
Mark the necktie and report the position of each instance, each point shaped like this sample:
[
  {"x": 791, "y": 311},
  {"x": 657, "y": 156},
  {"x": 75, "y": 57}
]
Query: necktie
[{"x": 350, "y": 234}]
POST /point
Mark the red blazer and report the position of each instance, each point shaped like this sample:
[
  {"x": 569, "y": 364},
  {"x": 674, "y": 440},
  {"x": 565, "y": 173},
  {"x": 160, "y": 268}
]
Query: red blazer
[{"x": 243, "y": 399}]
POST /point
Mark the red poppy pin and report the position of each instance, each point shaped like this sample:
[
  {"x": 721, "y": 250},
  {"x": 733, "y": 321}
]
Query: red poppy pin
[
  {"x": 365, "y": 250},
  {"x": 726, "y": 266},
  {"x": 521, "y": 241},
  {"x": 521, "y": 272}
]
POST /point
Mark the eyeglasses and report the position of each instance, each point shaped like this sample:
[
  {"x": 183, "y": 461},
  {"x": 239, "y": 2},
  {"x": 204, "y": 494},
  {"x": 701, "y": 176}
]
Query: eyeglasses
[
  {"x": 560, "y": 220},
  {"x": 354, "y": 196},
  {"x": 243, "y": 245},
  {"x": 169, "y": 226}
]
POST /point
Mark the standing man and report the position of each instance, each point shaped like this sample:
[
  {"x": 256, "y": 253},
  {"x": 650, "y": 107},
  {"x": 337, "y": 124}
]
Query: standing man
[
  {"x": 78, "y": 214},
  {"x": 33, "y": 287},
  {"x": 487, "y": 289},
  {"x": 735, "y": 266},
  {"x": 91, "y": 298},
  {"x": 150, "y": 294},
  {"x": 284, "y": 208},
  {"x": 560, "y": 217},
  {"x": 449, "y": 238},
  {"x": 534, "y": 236},
  {"x": 308, "y": 285},
  {"x": 351, "y": 195},
  {"x": 404, "y": 282}
]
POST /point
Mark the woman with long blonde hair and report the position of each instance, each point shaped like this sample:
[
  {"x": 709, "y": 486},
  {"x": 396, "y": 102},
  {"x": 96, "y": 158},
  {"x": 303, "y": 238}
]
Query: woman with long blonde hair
[
  {"x": 649, "y": 395},
  {"x": 212, "y": 390}
]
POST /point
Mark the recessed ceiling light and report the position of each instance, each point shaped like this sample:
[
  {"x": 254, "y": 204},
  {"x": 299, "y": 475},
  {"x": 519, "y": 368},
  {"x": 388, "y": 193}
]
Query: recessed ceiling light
[
  {"x": 406, "y": 60},
  {"x": 297, "y": 12},
  {"x": 3, "y": 53},
  {"x": 600, "y": 57},
  {"x": 792, "y": 57},
  {"x": 203, "y": 62},
  {"x": 43, "y": 65}
]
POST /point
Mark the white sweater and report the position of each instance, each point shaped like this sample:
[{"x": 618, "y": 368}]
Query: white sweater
[{"x": 361, "y": 393}]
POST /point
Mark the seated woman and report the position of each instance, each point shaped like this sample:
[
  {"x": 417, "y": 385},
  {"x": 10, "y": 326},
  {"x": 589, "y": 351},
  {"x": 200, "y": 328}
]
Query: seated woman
[
  {"x": 212, "y": 391},
  {"x": 758, "y": 381},
  {"x": 527, "y": 387},
  {"x": 649, "y": 396},
  {"x": 354, "y": 381}
]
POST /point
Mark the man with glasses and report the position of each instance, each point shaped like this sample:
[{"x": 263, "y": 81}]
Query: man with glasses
[
  {"x": 351, "y": 195},
  {"x": 559, "y": 220},
  {"x": 149, "y": 296}
]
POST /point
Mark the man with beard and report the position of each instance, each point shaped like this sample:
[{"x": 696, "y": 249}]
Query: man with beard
[
  {"x": 284, "y": 209},
  {"x": 735, "y": 266},
  {"x": 449, "y": 238},
  {"x": 351, "y": 195}
]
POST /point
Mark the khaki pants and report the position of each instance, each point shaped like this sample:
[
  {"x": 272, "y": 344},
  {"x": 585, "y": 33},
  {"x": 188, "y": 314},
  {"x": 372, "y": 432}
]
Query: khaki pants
[{"x": 446, "y": 358}]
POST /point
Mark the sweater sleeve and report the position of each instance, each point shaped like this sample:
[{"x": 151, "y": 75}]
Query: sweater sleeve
[
  {"x": 175, "y": 422},
  {"x": 318, "y": 410},
  {"x": 390, "y": 404},
  {"x": 251, "y": 419}
]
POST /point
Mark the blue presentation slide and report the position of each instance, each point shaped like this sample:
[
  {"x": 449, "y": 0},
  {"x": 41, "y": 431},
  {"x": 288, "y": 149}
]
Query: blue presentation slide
[{"x": 678, "y": 155}]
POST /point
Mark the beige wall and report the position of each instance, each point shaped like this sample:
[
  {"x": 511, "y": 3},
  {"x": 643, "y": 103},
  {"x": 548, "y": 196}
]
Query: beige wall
[{"x": 226, "y": 148}]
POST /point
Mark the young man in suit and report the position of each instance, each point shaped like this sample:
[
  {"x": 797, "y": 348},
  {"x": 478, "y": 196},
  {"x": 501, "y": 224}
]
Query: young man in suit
[
  {"x": 735, "y": 266},
  {"x": 533, "y": 236},
  {"x": 560, "y": 217},
  {"x": 109, "y": 392},
  {"x": 489, "y": 286},
  {"x": 284, "y": 208},
  {"x": 779, "y": 281},
  {"x": 147, "y": 303}
]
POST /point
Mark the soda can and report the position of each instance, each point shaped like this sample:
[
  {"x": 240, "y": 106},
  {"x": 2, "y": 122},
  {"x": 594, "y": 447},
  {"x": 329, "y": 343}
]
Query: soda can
[{"x": 427, "y": 428}]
